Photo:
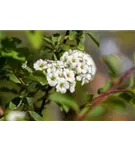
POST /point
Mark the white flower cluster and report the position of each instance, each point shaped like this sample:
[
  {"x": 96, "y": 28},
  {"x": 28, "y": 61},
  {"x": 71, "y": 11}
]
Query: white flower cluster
[
  {"x": 81, "y": 63},
  {"x": 73, "y": 65}
]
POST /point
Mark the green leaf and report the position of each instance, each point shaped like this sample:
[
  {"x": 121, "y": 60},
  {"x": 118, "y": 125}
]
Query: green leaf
[
  {"x": 100, "y": 91},
  {"x": 13, "y": 78},
  {"x": 64, "y": 99},
  {"x": 65, "y": 47},
  {"x": 13, "y": 54},
  {"x": 82, "y": 38},
  {"x": 65, "y": 108},
  {"x": 85, "y": 109},
  {"x": 59, "y": 39},
  {"x": 47, "y": 39},
  {"x": 32, "y": 87},
  {"x": 35, "y": 38},
  {"x": 29, "y": 101},
  {"x": 116, "y": 102},
  {"x": 35, "y": 116},
  {"x": 55, "y": 38},
  {"x": 15, "y": 103},
  {"x": 80, "y": 46},
  {"x": 107, "y": 85},
  {"x": 89, "y": 96},
  {"x": 10, "y": 42},
  {"x": 112, "y": 61},
  {"x": 39, "y": 77},
  {"x": 72, "y": 35},
  {"x": 97, "y": 111},
  {"x": 93, "y": 38}
]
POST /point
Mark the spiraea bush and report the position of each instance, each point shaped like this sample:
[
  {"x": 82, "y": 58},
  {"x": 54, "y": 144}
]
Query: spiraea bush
[{"x": 49, "y": 69}]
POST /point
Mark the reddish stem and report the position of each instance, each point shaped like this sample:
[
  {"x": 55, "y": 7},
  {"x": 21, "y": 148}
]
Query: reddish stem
[{"x": 97, "y": 100}]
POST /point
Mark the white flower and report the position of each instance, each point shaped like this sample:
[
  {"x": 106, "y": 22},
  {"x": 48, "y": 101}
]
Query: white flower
[
  {"x": 59, "y": 73},
  {"x": 82, "y": 68},
  {"x": 15, "y": 115},
  {"x": 73, "y": 61},
  {"x": 52, "y": 79},
  {"x": 72, "y": 86},
  {"x": 62, "y": 86},
  {"x": 69, "y": 75},
  {"x": 40, "y": 65}
]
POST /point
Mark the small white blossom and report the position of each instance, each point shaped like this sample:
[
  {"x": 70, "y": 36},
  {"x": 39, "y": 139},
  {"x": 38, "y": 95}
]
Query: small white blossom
[
  {"x": 15, "y": 115},
  {"x": 52, "y": 79},
  {"x": 62, "y": 86},
  {"x": 40, "y": 65},
  {"x": 82, "y": 68},
  {"x": 69, "y": 75}
]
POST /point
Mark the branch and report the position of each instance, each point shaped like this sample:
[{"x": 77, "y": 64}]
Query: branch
[
  {"x": 97, "y": 100},
  {"x": 44, "y": 99}
]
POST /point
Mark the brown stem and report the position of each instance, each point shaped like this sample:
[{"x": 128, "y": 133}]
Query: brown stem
[{"x": 97, "y": 100}]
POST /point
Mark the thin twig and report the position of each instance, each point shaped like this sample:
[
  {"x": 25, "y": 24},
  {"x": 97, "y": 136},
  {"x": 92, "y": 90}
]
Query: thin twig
[
  {"x": 44, "y": 99},
  {"x": 97, "y": 100}
]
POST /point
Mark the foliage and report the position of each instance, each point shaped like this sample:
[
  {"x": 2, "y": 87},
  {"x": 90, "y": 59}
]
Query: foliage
[{"x": 26, "y": 90}]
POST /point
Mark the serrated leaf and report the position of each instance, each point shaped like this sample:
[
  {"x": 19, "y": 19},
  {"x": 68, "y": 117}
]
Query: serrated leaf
[
  {"x": 65, "y": 47},
  {"x": 13, "y": 78},
  {"x": 80, "y": 46},
  {"x": 72, "y": 35},
  {"x": 64, "y": 99},
  {"x": 35, "y": 116}
]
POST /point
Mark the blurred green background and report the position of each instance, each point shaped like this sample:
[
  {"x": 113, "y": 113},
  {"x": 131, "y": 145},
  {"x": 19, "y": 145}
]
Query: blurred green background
[{"x": 120, "y": 44}]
